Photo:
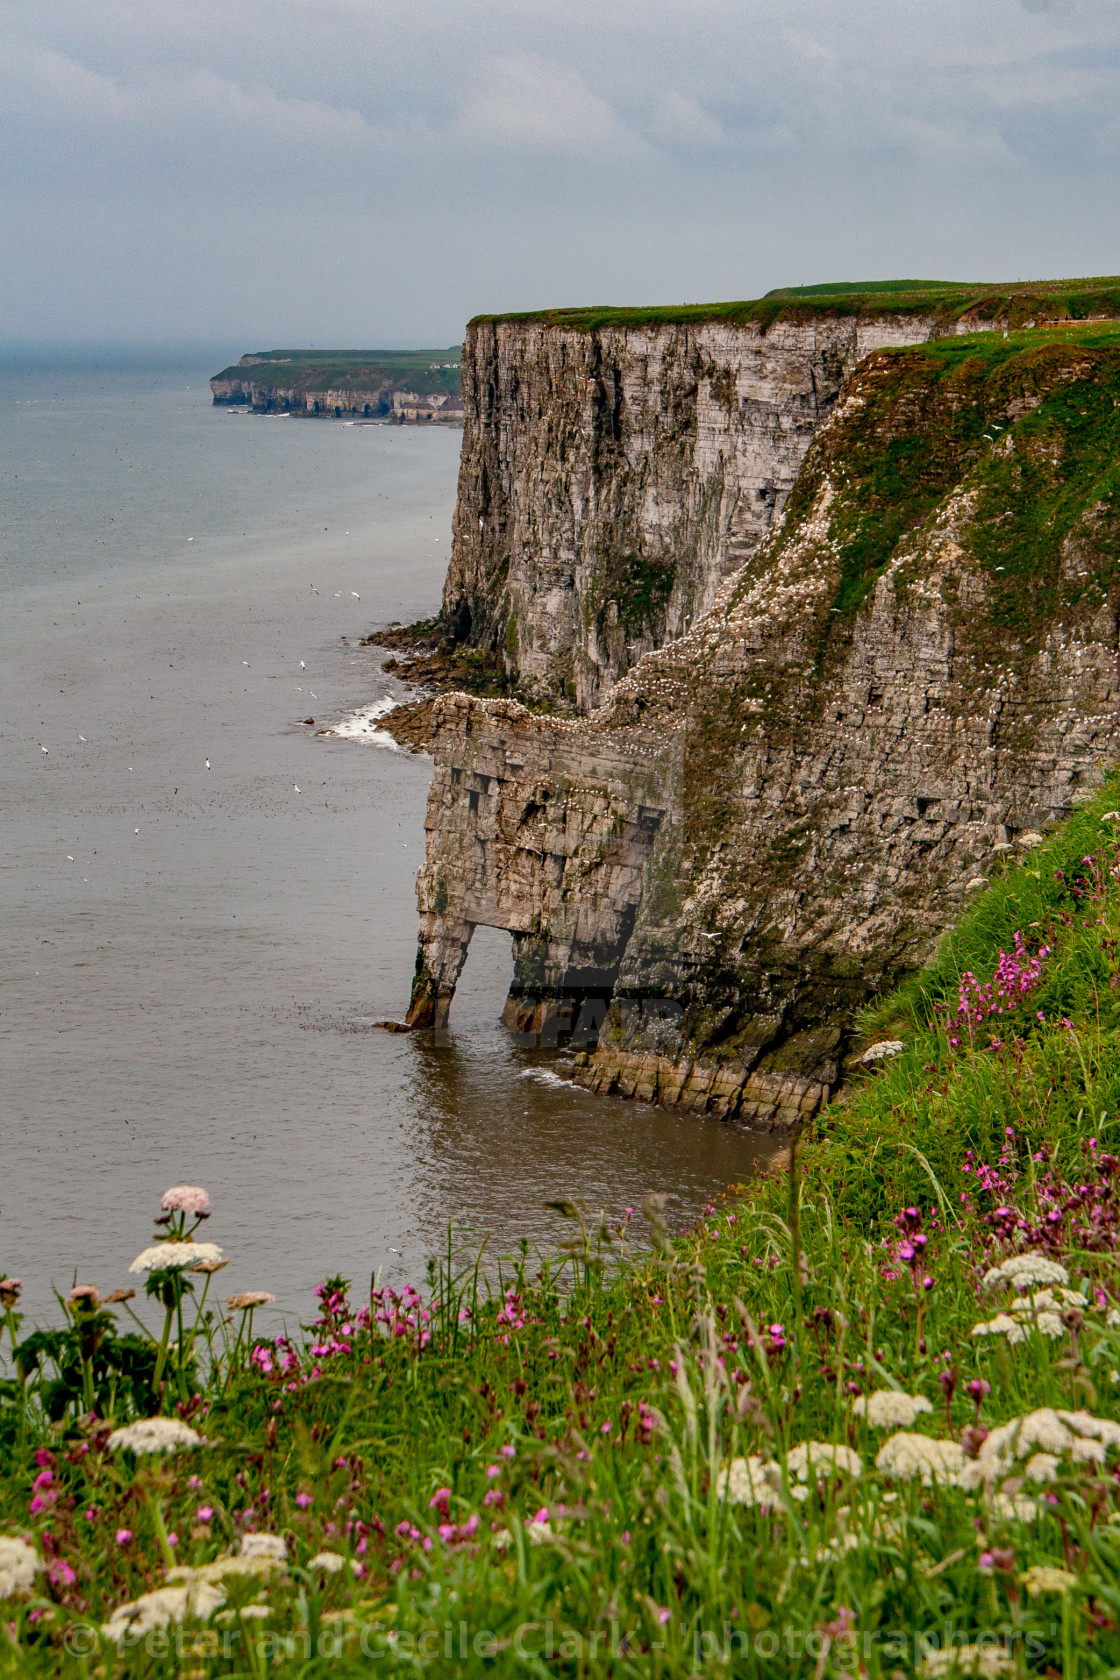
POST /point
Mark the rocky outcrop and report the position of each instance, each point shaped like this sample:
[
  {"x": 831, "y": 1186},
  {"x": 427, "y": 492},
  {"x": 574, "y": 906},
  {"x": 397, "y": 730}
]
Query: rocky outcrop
[{"x": 775, "y": 815}]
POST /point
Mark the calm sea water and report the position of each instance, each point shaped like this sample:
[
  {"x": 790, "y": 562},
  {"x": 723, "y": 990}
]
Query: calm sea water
[{"x": 205, "y": 904}]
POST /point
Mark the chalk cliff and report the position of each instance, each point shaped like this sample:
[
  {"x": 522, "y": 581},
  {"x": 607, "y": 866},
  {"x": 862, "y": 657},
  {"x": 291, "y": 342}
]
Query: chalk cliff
[
  {"x": 882, "y": 690},
  {"x": 618, "y": 465}
]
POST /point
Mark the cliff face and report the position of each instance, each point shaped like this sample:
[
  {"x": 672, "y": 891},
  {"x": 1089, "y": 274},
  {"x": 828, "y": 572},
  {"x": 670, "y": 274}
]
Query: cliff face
[
  {"x": 778, "y": 812},
  {"x": 611, "y": 479}
]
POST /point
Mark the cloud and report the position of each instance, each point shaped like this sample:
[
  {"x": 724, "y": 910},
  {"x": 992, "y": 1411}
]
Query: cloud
[
  {"x": 679, "y": 121},
  {"x": 165, "y": 101},
  {"x": 523, "y": 100}
]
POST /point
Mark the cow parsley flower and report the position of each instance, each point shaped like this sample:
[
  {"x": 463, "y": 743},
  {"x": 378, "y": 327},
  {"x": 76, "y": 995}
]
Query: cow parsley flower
[
  {"x": 750, "y": 1481},
  {"x": 159, "y": 1609},
  {"x": 985, "y": 1661},
  {"x": 1041, "y": 1467},
  {"x": 249, "y": 1298},
  {"x": 329, "y": 1562},
  {"x": 1043, "y": 1577},
  {"x": 822, "y": 1455},
  {"x": 1002, "y": 1325},
  {"x": 174, "y": 1256},
  {"x": 1012, "y": 1507},
  {"x": 157, "y": 1434},
  {"x": 185, "y": 1198},
  {"x": 905, "y": 1456},
  {"x": 18, "y": 1565},
  {"x": 1025, "y": 1270},
  {"x": 1086, "y": 1439},
  {"x": 888, "y": 1409},
  {"x": 270, "y": 1546}
]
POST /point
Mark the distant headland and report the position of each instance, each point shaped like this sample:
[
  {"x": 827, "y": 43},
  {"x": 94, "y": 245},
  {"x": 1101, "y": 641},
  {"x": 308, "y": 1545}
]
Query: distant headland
[{"x": 400, "y": 386}]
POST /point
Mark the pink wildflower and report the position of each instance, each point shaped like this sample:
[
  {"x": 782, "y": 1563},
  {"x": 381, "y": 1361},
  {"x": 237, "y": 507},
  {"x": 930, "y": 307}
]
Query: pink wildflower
[
  {"x": 205, "y": 1512},
  {"x": 185, "y": 1198},
  {"x": 123, "y": 1536}
]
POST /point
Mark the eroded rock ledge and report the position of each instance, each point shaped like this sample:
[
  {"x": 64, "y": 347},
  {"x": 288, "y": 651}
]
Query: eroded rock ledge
[{"x": 776, "y": 814}]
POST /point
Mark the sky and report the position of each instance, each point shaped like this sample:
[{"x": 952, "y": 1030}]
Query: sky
[{"x": 374, "y": 172}]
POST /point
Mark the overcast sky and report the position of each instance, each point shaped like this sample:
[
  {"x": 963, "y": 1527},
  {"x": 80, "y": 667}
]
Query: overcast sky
[{"x": 367, "y": 172}]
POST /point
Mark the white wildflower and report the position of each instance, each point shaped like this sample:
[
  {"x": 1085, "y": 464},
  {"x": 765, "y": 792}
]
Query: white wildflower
[
  {"x": 906, "y": 1455},
  {"x": 986, "y": 1661},
  {"x": 1012, "y": 1507},
  {"x": 822, "y": 1456},
  {"x": 18, "y": 1564},
  {"x": 255, "y": 1612},
  {"x": 158, "y": 1434},
  {"x": 159, "y": 1609},
  {"x": 1113, "y": 1319},
  {"x": 1031, "y": 840},
  {"x": 885, "y": 1047},
  {"x": 174, "y": 1256},
  {"x": 270, "y": 1546},
  {"x": 1043, "y": 1577},
  {"x": 1046, "y": 1300},
  {"x": 750, "y": 1481},
  {"x": 1084, "y": 1437},
  {"x": 888, "y": 1409},
  {"x": 185, "y": 1198},
  {"x": 1041, "y": 1467},
  {"x": 329, "y": 1562},
  {"x": 1001, "y": 1325},
  {"x": 1023, "y": 1270}
]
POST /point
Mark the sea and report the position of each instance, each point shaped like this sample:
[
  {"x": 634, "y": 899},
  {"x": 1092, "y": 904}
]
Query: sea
[{"x": 207, "y": 899}]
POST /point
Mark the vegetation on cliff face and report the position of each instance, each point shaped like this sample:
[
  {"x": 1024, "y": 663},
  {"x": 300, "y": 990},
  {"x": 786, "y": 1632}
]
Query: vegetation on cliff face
[{"x": 862, "y": 1418}]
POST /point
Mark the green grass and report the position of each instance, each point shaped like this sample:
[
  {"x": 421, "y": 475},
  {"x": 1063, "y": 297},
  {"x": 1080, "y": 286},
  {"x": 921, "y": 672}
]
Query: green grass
[
  {"x": 605, "y": 1390},
  {"x": 322, "y": 370},
  {"x": 947, "y": 300}
]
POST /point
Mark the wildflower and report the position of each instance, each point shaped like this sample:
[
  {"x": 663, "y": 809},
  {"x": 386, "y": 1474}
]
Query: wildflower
[
  {"x": 123, "y": 1536},
  {"x": 10, "y": 1291},
  {"x": 303, "y": 1500},
  {"x": 1012, "y": 1507},
  {"x": 85, "y": 1295},
  {"x": 906, "y": 1455},
  {"x": 174, "y": 1256},
  {"x": 208, "y": 1265},
  {"x": 249, "y": 1298},
  {"x": 1084, "y": 1437},
  {"x": 18, "y": 1565},
  {"x": 205, "y": 1513},
  {"x": 493, "y": 1469},
  {"x": 61, "y": 1574},
  {"x": 885, "y": 1047},
  {"x": 986, "y": 1661},
  {"x": 750, "y": 1481},
  {"x": 329, "y": 1562},
  {"x": 887, "y": 1409},
  {"x": 815, "y": 1455},
  {"x": 1001, "y": 1325},
  {"x": 1023, "y": 1270},
  {"x": 159, "y": 1609},
  {"x": 158, "y": 1434},
  {"x": 1041, "y": 1467},
  {"x": 270, "y": 1546},
  {"x": 1043, "y": 1577},
  {"x": 117, "y": 1296},
  {"x": 184, "y": 1198}
]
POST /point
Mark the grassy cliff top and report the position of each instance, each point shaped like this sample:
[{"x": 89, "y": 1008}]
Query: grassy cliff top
[
  {"x": 1018, "y": 302},
  {"x": 315, "y": 370}
]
